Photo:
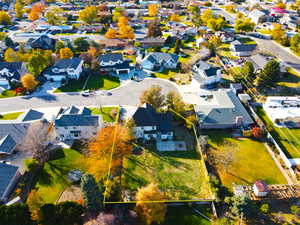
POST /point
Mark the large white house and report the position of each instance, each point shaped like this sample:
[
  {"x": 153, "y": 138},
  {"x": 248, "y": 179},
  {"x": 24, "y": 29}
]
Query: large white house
[
  {"x": 207, "y": 74},
  {"x": 283, "y": 110},
  {"x": 10, "y": 72},
  {"x": 113, "y": 62},
  {"x": 257, "y": 16},
  {"x": 158, "y": 61},
  {"x": 151, "y": 125},
  {"x": 76, "y": 123},
  {"x": 64, "y": 69}
]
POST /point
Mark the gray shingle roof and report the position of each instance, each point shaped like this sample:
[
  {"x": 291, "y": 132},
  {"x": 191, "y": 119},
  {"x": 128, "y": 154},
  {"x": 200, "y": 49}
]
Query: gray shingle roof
[
  {"x": 13, "y": 68},
  {"x": 224, "y": 109},
  {"x": 7, "y": 144},
  {"x": 7, "y": 173},
  {"x": 114, "y": 57},
  {"x": 147, "y": 116},
  {"x": 243, "y": 47},
  {"x": 160, "y": 57},
  {"x": 256, "y": 13},
  {"x": 30, "y": 115},
  {"x": 76, "y": 120},
  {"x": 67, "y": 63},
  {"x": 16, "y": 130}
]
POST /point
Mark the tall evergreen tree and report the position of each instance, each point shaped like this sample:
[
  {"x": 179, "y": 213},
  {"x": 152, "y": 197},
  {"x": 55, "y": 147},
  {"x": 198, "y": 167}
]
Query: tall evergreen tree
[{"x": 91, "y": 193}]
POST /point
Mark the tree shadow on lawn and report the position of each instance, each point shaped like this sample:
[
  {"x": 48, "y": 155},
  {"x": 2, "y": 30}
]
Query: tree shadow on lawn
[
  {"x": 141, "y": 181},
  {"x": 240, "y": 178},
  {"x": 96, "y": 82}
]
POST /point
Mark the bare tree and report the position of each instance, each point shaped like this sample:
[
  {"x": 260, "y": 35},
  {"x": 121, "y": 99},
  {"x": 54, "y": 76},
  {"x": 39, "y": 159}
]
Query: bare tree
[
  {"x": 153, "y": 96},
  {"x": 223, "y": 159},
  {"x": 38, "y": 140}
]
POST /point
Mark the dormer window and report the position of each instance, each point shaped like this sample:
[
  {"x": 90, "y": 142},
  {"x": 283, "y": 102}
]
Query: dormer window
[{"x": 55, "y": 70}]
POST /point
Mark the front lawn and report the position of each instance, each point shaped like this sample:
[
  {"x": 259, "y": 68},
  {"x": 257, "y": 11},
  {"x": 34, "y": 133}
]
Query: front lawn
[
  {"x": 10, "y": 116},
  {"x": 95, "y": 82},
  {"x": 288, "y": 139},
  {"x": 106, "y": 113},
  {"x": 291, "y": 80},
  {"x": 8, "y": 94},
  {"x": 250, "y": 160},
  {"x": 166, "y": 74},
  {"x": 179, "y": 174},
  {"x": 224, "y": 50},
  {"x": 52, "y": 181}
]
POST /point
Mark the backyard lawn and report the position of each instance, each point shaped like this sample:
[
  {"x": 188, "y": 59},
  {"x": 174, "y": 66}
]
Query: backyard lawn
[
  {"x": 288, "y": 139},
  {"x": 224, "y": 50},
  {"x": 95, "y": 82},
  {"x": 10, "y": 116},
  {"x": 292, "y": 80},
  {"x": 53, "y": 179},
  {"x": 184, "y": 215},
  {"x": 250, "y": 160},
  {"x": 105, "y": 112},
  {"x": 179, "y": 174}
]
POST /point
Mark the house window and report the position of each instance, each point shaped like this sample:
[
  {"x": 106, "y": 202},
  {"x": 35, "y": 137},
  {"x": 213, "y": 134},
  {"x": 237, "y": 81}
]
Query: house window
[
  {"x": 66, "y": 128},
  {"x": 74, "y": 128}
]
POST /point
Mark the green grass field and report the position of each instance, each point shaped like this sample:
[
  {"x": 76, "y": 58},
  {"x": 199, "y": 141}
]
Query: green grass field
[
  {"x": 292, "y": 80},
  {"x": 10, "y": 116},
  {"x": 288, "y": 139},
  {"x": 53, "y": 179},
  {"x": 251, "y": 160},
  {"x": 8, "y": 94},
  {"x": 179, "y": 174},
  {"x": 105, "y": 112}
]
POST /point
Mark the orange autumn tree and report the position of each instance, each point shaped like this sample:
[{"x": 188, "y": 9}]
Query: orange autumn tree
[
  {"x": 123, "y": 21},
  {"x": 66, "y": 53},
  {"x": 111, "y": 33},
  {"x": 175, "y": 18},
  {"x": 126, "y": 32},
  {"x": 36, "y": 11},
  {"x": 153, "y": 10},
  {"x": 99, "y": 150}
]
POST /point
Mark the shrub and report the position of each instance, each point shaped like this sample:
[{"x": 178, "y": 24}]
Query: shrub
[
  {"x": 31, "y": 164},
  {"x": 264, "y": 208}
]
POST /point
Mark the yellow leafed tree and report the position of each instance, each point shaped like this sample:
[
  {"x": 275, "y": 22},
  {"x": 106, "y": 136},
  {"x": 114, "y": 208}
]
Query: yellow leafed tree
[
  {"x": 175, "y": 18},
  {"x": 153, "y": 10},
  {"x": 123, "y": 21},
  {"x": 100, "y": 149},
  {"x": 151, "y": 211},
  {"x": 29, "y": 82},
  {"x": 111, "y": 33},
  {"x": 4, "y": 18},
  {"x": 66, "y": 53},
  {"x": 126, "y": 32}
]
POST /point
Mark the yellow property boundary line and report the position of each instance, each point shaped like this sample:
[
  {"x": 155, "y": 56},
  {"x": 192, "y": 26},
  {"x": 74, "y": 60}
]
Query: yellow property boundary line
[{"x": 162, "y": 201}]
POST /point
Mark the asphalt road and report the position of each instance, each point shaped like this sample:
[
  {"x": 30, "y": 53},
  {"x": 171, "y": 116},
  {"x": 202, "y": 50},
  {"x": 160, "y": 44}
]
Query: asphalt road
[
  {"x": 269, "y": 46},
  {"x": 128, "y": 94}
]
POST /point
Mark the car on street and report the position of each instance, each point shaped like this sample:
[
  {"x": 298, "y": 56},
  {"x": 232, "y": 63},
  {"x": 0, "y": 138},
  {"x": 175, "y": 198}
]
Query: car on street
[{"x": 86, "y": 93}]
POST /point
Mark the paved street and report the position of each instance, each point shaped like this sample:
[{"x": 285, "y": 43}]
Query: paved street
[{"x": 125, "y": 95}]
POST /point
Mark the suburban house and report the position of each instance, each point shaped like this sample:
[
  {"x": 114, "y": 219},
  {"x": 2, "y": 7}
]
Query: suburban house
[
  {"x": 31, "y": 115},
  {"x": 9, "y": 176},
  {"x": 113, "y": 62},
  {"x": 43, "y": 42},
  {"x": 158, "y": 61},
  {"x": 291, "y": 21},
  {"x": 10, "y": 72},
  {"x": 64, "y": 69},
  {"x": 225, "y": 36},
  {"x": 206, "y": 74},
  {"x": 240, "y": 49},
  {"x": 113, "y": 44},
  {"x": 151, "y": 42},
  {"x": 259, "y": 61},
  {"x": 76, "y": 123},
  {"x": 257, "y": 16},
  {"x": 221, "y": 110},
  {"x": 12, "y": 134},
  {"x": 283, "y": 110},
  {"x": 151, "y": 124},
  {"x": 260, "y": 188}
]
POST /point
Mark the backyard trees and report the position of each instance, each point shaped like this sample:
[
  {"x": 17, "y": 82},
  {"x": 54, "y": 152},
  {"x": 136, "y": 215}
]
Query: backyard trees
[
  {"x": 123, "y": 21},
  {"x": 248, "y": 71},
  {"x": 154, "y": 29},
  {"x": 59, "y": 45},
  {"x": 175, "y": 17},
  {"x": 281, "y": 5},
  {"x": 126, "y": 32},
  {"x": 88, "y": 14},
  {"x": 11, "y": 56},
  {"x": 244, "y": 25},
  {"x": 35, "y": 202},
  {"x": 257, "y": 132},
  {"x": 36, "y": 11},
  {"x": 150, "y": 212},
  {"x": 19, "y": 9},
  {"x": 81, "y": 44},
  {"x": 270, "y": 71},
  {"x": 63, "y": 213},
  {"x": 206, "y": 16},
  {"x": 15, "y": 215},
  {"x": 4, "y": 18},
  {"x": 118, "y": 12},
  {"x": 111, "y": 33},
  {"x": 216, "y": 23},
  {"x": 29, "y": 82},
  {"x": 91, "y": 194},
  {"x": 174, "y": 101},
  {"x": 264, "y": 208},
  {"x": 36, "y": 141},
  {"x": 66, "y": 53},
  {"x": 111, "y": 138},
  {"x": 277, "y": 32},
  {"x": 153, "y": 9},
  {"x": 153, "y": 97},
  {"x": 54, "y": 16},
  {"x": 295, "y": 43},
  {"x": 213, "y": 43},
  {"x": 39, "y": 61},
  {"x": 230, "y": 8}
]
